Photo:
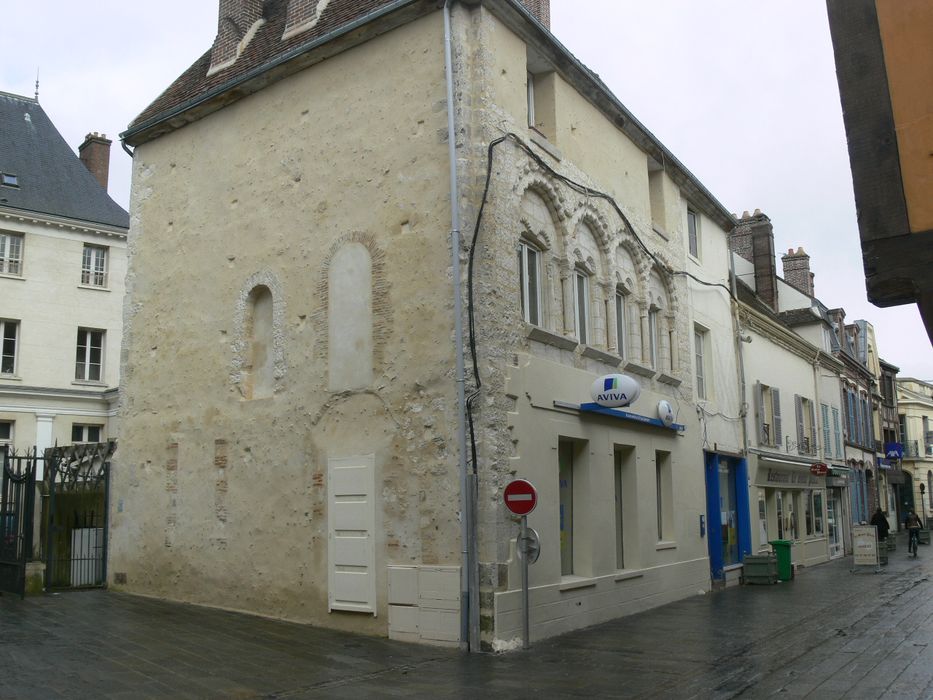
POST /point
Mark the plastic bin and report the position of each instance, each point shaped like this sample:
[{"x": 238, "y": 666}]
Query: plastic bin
[{"x": 782, "y": 550}]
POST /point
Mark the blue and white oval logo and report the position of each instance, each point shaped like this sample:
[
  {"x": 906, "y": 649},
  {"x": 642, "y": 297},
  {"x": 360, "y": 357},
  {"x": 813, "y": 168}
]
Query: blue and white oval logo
[
  {"x": 666, "y": 412},
  {"x": 615, "y": 390}
]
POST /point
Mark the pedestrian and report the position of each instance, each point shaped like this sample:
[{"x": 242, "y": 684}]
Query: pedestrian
[
  {"x": 913, "y": 525},
  {"x": 880, "y": 522}
]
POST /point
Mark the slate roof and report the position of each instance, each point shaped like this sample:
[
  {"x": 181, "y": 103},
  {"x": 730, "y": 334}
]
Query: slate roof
[
  {"x": 52, "y": 179},
  {"x": 265, "y": 46}
]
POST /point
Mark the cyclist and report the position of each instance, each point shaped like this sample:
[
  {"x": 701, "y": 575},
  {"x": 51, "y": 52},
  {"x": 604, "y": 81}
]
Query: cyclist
[{"x": 912, "y": 522}]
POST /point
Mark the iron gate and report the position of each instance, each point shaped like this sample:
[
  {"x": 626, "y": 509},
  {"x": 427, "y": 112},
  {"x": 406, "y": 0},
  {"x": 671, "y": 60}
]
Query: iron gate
[
  {"x": 77, "y": 479},
  {"x": 17, "y": 499}
]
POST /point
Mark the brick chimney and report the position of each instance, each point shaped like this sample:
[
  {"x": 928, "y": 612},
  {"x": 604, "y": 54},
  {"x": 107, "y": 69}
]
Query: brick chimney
[
  {"x": 797, "y": 270},
  {"x": 753, "y": 239},
  {"x": 541, "y": 9},
  {"x": 235, "y": 19},
  {"x": 95, "y": 154},
  {"x": 302, "y": 15}
]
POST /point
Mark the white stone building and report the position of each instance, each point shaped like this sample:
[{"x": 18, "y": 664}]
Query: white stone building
[
  {"x": 312, "y": 441},
  {"x": 62, "y": 263}
]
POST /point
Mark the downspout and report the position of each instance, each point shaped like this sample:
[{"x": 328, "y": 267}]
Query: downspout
[
  {"x": 468, "y": 596},
  {"x": 743, "y": 404}
]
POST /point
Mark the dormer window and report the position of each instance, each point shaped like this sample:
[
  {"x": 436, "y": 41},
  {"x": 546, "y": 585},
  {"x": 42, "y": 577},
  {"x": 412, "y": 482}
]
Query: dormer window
[{"x": 9, "y": 180}]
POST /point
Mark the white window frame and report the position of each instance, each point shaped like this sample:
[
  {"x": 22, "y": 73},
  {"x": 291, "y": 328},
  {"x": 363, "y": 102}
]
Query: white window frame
[
  {"x": 84, "y": 366},
  {"x": 6, "y": 325},
  {"x": 700, "y": 336},
  {"x": 654, "y": 339},
  {"x": 531, "y": 99},
  {"x": 8, "y": 440},
  {"x": 693, "y": 233},
  {"x": 529, "y": 257},
  {"x": 94, "y": 265},
  {"x": 85, "y": 430},
  {"x": 621, "y": 321},
  {"x": 581, "y": 305},
  {"x": 11, "y": 254}
]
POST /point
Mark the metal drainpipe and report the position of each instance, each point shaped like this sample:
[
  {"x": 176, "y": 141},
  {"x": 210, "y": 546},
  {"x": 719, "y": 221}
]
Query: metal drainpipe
[
  {"x": 468, "y": 597},
  {"x": 743, "y": 404}
]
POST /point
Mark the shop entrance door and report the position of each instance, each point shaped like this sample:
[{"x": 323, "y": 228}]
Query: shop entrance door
[{"x": 833, "y": 518}]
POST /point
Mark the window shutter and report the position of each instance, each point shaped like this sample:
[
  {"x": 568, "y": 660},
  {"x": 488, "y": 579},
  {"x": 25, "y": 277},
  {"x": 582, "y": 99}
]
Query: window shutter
[
  {"x": 798, "y": 411},
  {"x": 759, "y": 413},
  {"x": 827, "y": 445},
  {"x": 836, "y": 433},
  {"x": 813, "y": 449},
  {"x": 778, "y": 433}
]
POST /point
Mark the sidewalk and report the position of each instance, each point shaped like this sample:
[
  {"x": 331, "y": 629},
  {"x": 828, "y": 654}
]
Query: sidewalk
[{"x": 830, "y": 633}]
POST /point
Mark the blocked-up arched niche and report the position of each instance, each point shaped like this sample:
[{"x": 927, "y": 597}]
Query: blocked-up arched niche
[
  {"x": 258, "y": 345},
  {"x": 350, "y": 318},
  {"x": 660, "y": 341}
]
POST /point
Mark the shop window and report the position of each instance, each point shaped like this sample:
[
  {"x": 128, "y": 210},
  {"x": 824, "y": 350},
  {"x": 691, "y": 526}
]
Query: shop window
[
  {"x": 565, "y": 456},
  {"x": 728, "y": 516},
  {"x": 664, "y": 495},
  {"x": 818, "y": 513},
  {"x": 626, "y": 507},
  {"x": 808, "y": 511},
  {"x": 762, "y": 519}
]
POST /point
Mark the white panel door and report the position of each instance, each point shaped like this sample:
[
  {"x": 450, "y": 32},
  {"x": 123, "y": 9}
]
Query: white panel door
[{"x": 351, "y": 519}]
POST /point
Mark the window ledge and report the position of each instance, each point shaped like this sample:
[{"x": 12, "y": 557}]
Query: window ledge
[
  {"x": 11, "y": 377},
  {"x": 665, "y": 545},
  {"x": 595, "y": 354},
  {"x": 7, "y": 276},
  {"x": 86, "y": 382},
  {"x": 669, "y": 379},
  {"x": 638, "y": 369},
  {"x": 623, "y": 575},
  {"x": 542, "y": 141},
  {"x": 572, "y": 583},
  {"x": 94, "y": 287},
  {"x": 549, "y": 338}
]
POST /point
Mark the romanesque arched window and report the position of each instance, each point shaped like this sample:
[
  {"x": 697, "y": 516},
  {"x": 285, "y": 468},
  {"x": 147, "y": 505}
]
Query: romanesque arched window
[{"x": 350, "y": 318}]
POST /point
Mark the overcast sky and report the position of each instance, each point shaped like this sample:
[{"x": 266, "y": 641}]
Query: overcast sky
[{"x": 743, "y": 93}]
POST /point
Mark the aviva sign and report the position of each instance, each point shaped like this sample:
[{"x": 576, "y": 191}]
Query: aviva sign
[{"x": 615, "y": 390}]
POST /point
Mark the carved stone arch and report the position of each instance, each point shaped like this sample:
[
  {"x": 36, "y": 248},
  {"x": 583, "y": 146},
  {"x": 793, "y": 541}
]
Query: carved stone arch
[
  {"x": 381, "y": 299},
  {"x": 658, "y": 273},
  {"x": 539, "y": 187},
  {"x": 593, "y": 218},
  {"x": 240, "y": 345},
  {"x": 627, "y": 267}
]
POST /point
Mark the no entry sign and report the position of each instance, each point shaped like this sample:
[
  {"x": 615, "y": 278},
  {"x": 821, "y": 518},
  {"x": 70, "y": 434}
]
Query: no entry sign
[{"x": 520, "y": 497}]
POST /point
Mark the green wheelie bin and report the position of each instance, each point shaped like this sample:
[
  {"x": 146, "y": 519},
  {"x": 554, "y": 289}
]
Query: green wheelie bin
[{"x": 782, "y": 550}]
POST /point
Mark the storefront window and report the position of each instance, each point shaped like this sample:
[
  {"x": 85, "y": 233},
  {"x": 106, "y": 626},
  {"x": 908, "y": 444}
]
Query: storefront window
[
  {"x": 727, "y": 513},
  {"x": 565, "y": 459},
  {"x": 780, "y": 514},
  {"x": 808, "y": 511},
  {"x": 762, "y": 518},
  {"x": 817, "y": 512}
]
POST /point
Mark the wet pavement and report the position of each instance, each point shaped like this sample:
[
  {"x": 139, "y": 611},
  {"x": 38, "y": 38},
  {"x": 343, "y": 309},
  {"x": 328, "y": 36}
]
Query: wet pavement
[{"x": 830, "y": 633}]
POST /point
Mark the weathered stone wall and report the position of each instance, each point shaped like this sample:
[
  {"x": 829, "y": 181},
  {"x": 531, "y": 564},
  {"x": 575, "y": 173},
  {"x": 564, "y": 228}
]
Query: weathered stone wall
[
  {"x": 222, "y": 500},
  {"x": 518, "y": 426}
]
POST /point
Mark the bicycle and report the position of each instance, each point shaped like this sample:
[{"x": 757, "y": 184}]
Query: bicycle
[{"x": 913, "y": 539}]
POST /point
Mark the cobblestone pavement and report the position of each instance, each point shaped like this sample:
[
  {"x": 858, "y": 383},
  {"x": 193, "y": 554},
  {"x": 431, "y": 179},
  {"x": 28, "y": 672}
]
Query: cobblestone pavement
[{"x": 830, "y": 633}]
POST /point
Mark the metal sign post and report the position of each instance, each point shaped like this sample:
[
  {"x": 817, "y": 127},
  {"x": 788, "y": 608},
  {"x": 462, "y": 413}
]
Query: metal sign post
[{"x": 521, "y": 498}]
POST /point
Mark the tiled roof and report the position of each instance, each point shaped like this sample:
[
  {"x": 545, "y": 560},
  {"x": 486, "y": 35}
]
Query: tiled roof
[
  {"x": 51, "y": 178},
  {"x": 265, "y": 46}
]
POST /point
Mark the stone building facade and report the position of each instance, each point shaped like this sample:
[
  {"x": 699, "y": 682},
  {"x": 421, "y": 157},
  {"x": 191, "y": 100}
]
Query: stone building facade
[
  {"x": 290, "y": 443},
  {"x": 62, "y": 262}
]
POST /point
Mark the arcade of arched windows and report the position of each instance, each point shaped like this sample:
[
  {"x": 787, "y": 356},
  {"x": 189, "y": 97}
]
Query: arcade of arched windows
[{"x": 580, "y": 279}]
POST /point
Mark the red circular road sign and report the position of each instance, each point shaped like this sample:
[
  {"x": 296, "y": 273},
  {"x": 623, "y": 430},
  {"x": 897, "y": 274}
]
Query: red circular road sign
[{"x": 520, "y": 497}]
